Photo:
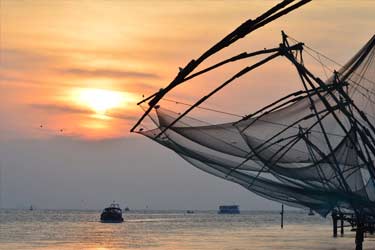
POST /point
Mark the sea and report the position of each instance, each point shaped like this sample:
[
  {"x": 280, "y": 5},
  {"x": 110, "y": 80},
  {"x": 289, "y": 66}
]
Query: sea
[{"x": 170, "y": 230}]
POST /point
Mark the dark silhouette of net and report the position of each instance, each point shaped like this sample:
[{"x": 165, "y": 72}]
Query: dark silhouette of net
[{"x": 314, "y": 149}]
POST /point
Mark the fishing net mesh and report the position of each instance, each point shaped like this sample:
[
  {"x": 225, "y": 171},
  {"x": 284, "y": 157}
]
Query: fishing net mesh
[{"x": 314, "y": 149}]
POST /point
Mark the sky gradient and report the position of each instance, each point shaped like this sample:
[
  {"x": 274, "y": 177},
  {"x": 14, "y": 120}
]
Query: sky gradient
[{"x": 71, "y": 73}]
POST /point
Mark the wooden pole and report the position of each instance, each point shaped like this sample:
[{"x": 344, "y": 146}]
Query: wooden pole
[
  {"x": 342, "y": 224},
  {"x": 359, "y": 235},
  {"x": 334, "y": 221},
  {"x": 282, "y": 216}
]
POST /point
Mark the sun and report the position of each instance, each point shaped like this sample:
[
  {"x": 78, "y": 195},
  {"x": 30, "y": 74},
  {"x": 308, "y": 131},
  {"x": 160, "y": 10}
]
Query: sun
[{"x": 101, "y": 100}]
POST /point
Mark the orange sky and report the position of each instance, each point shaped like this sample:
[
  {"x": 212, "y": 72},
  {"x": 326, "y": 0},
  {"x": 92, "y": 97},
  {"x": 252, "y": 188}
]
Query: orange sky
[{"x": 54, "y": 53}]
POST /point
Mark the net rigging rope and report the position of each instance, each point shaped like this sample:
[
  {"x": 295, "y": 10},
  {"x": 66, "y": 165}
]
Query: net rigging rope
[
  {"x": 227, "y": 113},
  {"x": 361, "y": 75},
  {"x": 204, "y": 108},
  {"x": 328, "y": 58}
]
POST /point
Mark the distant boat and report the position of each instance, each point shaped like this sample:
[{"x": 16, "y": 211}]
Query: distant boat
[
  {"x": 31, "y": 208},
  {"x": 189, "y": 211},
  {"x": 229, "y": 209},
  {"x": 311, "y": 212},
  {"x": 112, "y": 214},
  {"x": 127, "y": 209}
]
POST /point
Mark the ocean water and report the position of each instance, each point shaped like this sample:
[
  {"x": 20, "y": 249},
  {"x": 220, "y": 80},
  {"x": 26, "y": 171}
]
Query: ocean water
[{"x": 172, "y": 230}]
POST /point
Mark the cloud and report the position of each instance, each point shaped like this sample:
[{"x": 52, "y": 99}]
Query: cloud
[
  {"x": 18, "y": 59},
  {"x": 123, "y": 116},
  {"x": 108, "y": 73},
  {"x": 28, "y": 82},
  {"x": 140, "y": 88},
  {"x": 61, "y": 108},
  {"x": 56, "y": 108}
]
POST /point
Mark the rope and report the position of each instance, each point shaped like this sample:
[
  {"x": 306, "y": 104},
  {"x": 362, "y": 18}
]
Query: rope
[
  {"x": 204, "y": 108},
  {"x": 329, "y": 59}
]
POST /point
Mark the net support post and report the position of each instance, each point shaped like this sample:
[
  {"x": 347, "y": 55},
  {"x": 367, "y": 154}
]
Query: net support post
[
  {"x": 334, "y": 222},
  {"x": 282, "y": 216},
  {"x": 359, "y": 236},
  {"x": 342, "y": 224}
]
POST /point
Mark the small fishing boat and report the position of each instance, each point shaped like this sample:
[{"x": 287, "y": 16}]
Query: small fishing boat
[
  {"x": 112, "y": 214},
  {"x": 229, "y": 209},
  {"x": 189, "y": 211}
]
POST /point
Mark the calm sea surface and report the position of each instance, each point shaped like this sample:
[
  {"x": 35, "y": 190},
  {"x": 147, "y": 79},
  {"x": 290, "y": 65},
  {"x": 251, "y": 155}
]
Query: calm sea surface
[{"x": 47, "y": 229}]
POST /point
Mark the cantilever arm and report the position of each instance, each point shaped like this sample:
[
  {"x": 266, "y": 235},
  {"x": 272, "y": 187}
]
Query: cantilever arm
[
  {"x": 238, "y": 57},
  {"x": 204, "y": 98},
  {"x": 240, "y": 32}
]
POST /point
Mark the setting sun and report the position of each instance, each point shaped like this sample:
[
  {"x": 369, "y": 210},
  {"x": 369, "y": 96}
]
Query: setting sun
[{"x": 100, "y": 100}]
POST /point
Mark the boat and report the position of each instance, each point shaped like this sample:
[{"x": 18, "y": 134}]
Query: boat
[
  {"x": 189, "y": 211},
  {"x": 31, "y": 208},
  {"x": 112, "y": 214},
  {"x": 229, "y": 209},
  {"x": 127, "y": 209}
]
